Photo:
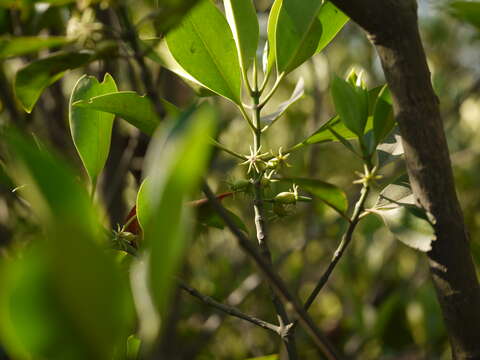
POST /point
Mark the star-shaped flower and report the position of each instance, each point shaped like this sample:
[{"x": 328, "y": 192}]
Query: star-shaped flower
[
  {"x": 255, "y": 160},
  {"x": 369, "y": 177},
  {"x": 278, "y": 160}
]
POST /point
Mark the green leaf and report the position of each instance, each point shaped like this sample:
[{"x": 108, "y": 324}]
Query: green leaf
[
  {"x": 270, "y": 119},
  {"x": 408, "y": 226},
  {"x": 31, "y": 80},
  {"x": 383, "y": 119},
  {"x": 332, "y": 20},
  {"x": 408, "y": 222},
  {"x": 298, "y": 33},
  {"x": 328, "y": 193},
  {"x": 91, "y": 129},
  {"x": 325, "y": 134},
  {"x": 351, "y": 106},
  {"x": 242, "y": 18},
  {"x": 176, "y": 160},
  {"x": 204, "y": 47},
  {"x": 468, "y": 11},
  {"x": 272, "y": 35},
  {"x": 58, "y": 306},
  {"x": 137, "y": 110},
  {"x": 162, "y": 55},
  {"x": 21, "y": 45}
]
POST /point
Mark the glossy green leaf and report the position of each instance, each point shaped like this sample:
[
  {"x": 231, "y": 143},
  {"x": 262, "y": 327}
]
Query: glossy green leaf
[
  {"x": 272, "y": 36},
  {"x": 91, "y": 130},
  {"x": 176, "y": 160},
  {"x": 298, "y": 33},
  {"x": 332, "y": 20},
  {"x": 162, "y": 55},
  {"x": 86, "y": 306},
  {"x": 204, "y": 47},
  {"x": 31, "y": 80},
  {"x": 350, "y": 105},
  {"x": 383, "y": 119},
  {"x": 20, "y": 45},
  {"x": 136, "y": 109},
  {"x": 242, "y": 18},
  {"x": 468, "y": 11},
  {"x": 328, "y": 193}
]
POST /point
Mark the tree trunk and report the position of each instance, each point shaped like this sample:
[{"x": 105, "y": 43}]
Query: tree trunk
[{"x": 392, "y": 27}]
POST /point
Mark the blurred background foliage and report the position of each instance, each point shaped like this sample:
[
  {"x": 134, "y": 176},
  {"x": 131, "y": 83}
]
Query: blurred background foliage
[{"x": 379, "y": 302}]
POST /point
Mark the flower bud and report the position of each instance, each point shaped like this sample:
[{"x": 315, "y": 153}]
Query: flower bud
[{"x": 286, "y": 198}]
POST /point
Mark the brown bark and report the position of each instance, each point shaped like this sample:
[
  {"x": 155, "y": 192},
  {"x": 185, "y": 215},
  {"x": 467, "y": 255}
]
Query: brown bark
[{"x": 392, "y": 27}]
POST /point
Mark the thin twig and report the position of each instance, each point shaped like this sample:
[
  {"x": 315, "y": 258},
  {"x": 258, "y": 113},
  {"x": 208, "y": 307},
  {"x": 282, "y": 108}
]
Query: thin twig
[
  {"x": 131, "y": 36},
  {"x": 346, "y": 239},
  {"x": 276, "y": 282},
  {"x": 230, "y": 310}
]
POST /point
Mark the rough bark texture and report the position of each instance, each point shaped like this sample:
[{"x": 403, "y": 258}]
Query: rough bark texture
[{"x": 392, "y": 27}]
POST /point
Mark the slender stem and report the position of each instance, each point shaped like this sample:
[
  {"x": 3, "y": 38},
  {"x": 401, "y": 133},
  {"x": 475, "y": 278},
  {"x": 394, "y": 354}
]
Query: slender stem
[
  {"x": 231, "y": 152},
  {"x": 265, "y": 81},
  {"x": 245, "y": 116},
  {"x": 261, "y": 228},
  {"x": 230, "y": 310},
  {"x": 272, "y": 91},
  {"x": 346, "y": 239},
  {"x": 276, "y": 283},
  {"x": 131, "y": 36}
]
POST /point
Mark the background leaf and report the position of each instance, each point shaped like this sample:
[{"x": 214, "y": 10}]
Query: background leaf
[
  {"x": 328, "y": 193},
  {"x": 409, "y": 227},
  {"x": 21, "y": 45},
  {"x": 91, "y": 129},
  {"x": 31, "y": 80},
  {"x": 408, "y": 222},
  {"x": 468, "y": 11},
  {"x": 298, "y": 92},
  {"x": 203, "y": 45},
  {"x": 66, "y": 282}
]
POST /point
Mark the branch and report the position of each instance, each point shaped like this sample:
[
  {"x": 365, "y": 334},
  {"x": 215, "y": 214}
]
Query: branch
[
  {"x": 393, "y": 29},
  {"x": 230, "y": 310},
  {"x": 131, "y": 36},
  {"x": 346, "y": 239},
  {"x": 276, "y": 282}
]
